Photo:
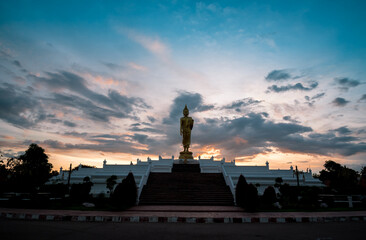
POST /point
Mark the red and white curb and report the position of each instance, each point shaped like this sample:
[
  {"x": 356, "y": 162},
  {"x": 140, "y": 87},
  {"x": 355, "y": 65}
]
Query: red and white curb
[{"x": 138, "y": 219}]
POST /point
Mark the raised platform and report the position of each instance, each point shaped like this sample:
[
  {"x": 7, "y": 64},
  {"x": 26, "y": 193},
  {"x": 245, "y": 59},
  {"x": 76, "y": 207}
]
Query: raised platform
[{"x": 186, "y": 155}]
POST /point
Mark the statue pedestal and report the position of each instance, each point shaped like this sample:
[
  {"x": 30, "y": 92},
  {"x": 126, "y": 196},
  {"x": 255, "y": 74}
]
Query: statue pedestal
[{"x": 185, "y": 156}]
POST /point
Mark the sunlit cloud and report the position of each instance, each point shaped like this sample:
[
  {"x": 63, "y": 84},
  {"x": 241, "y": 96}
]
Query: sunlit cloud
[
  {"x": 153, "y": 44},
  {"x": 137, "y": 67},
  {"x": 262, "y": 83}
]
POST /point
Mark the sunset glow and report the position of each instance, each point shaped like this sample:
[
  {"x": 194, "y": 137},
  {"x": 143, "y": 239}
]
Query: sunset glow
[{"x": 282, "y": 82}]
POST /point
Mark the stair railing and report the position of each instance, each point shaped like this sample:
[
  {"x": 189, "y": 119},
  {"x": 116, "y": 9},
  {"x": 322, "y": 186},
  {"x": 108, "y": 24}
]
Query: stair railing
[
  {"x": 143, "y": 181},
  {"x": 228, "y": 181}
]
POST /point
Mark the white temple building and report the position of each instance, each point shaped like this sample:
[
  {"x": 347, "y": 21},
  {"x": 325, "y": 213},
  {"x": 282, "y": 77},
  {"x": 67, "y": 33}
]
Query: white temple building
[{"x": 261, "y": 176}]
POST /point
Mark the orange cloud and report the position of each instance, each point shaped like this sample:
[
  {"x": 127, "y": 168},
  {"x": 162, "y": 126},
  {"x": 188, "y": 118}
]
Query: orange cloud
[
  {"x": 59, "y": 114},
  {"x": 209, "y": 151},
  {"x": 8, "y": 137},
  {"x": 137, "y": 67},
  {"x": 239, "y": 140}
]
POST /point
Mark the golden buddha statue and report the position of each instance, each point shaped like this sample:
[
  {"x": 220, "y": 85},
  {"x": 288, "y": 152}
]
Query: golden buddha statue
[{"x": 186, "y": 125}]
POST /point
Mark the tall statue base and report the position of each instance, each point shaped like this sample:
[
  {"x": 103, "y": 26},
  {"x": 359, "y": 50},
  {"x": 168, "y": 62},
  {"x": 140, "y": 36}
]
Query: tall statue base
[{"x": 185, "y": 156}]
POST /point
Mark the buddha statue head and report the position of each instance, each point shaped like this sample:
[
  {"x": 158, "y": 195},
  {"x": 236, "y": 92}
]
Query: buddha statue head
[{"x": 185, "y": 111}]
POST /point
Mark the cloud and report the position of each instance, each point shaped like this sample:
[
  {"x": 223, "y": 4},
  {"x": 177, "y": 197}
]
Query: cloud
[
  {"x": 347, "y": 83},
  {"x": 291, "y": 87},
  {"x": 363, "y": 98},
  {"x": 141, "y": 138},
  {"x": 259, "y": 133},
  {"x": 262, "y": 134},
  {"x": 113, "y": 66},
  {"x": 343, "y": 130},
  {"x": 313, "y": 99},
  {"x": 152, "y": 44},
  {"x": 94, "y": 105},
  {"x": 145, "y": 129},
  {"x": 137, "y": 67},
  {"x": 87, "y": 108},
  {"x": 278, "y": 75},
  {"x": 151, "y": 119},
  {"x": 340, "y": 102},
  {"x": 237, "y": 105},
  {"x": 17, "y": 63},
  {"x": 18, "y": 107},
  {"x": 317, "y": 96},
  {"x": 69, "y": 124},
  {"x": 194, "y": 102},
  {"x": 135, "y": 144},
  {"x": 290, "y": 119},
  {"x": 75, "y": 134}
]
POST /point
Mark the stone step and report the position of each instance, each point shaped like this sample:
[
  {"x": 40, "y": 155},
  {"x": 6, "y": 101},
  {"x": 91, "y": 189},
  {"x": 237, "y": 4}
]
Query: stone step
[
  {"x": 186, "y": 168},
  {"x": 186, "y": 186}
]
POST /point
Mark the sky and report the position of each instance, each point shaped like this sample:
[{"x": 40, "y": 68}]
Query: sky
[{"x": 276, "y": 81}]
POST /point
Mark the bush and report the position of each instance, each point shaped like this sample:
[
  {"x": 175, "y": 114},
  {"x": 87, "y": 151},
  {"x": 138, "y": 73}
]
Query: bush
[
  {"x": 269, "y": 196},
  {"x": 80, "y": 192},
  {"x": 125, "y": 194},
  {"x": 289, "y": 195},
  {"x": 309, "y": 197},
  {"x": 246, "y": 195},
  {"x": 239, "y": 191},
  {"x": 56, "y": 190}
]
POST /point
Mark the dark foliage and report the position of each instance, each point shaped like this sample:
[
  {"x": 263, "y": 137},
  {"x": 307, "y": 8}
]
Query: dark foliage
[
  {"x": 363, "y": 171},
  {"x": 55, "y": 190},
  {"x": 269, "y": 196},
  {"x": 289, "y": 195},
  {"x": 82, "y": 166},
  {"x": 30, "y": 170},
  {"x": 239, "y": 191},
  {"x": 125, "y": 194},
  {"x": 111, "y": 181},
  {"x": 246, "y": 195},
  {"x": 309, "y": 197},
  {"x": 81, "y": 192},
  {"x": 338, "y": 177},
  {"x": 278, "y": 182}
]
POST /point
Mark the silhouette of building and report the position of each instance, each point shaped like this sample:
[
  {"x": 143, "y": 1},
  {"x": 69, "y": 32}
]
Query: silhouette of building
[{"x": 261, "y": 176}]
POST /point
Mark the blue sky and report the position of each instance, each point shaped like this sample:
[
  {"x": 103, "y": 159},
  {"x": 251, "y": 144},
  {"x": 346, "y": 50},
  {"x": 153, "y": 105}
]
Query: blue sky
[{"x": 281, "y": 81}]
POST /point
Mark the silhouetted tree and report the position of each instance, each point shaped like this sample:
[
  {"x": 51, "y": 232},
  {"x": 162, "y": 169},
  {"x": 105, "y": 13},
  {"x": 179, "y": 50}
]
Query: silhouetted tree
[
  {"x": 86, "y": 179},
  {"x": 278, "y": 182},
  {"x": 269, "y": 196},
  {"x": 31, "y": 169},
  {"x": 56, "y": 190},
  {"x": 363, "y": 180},
  {"x": 246, "y": 194},
  {"x": 111, "y": 181},
  {"x": 363, "y": 171},
  {"x": 288, "y": 195},
  {"x": 81, "y": 192},
  {"x": 82, "y": 166},
  {"x": 125, "y": 194},
  {"x": 339, "y": 177},
  {"x": 309, "y": 197},
  {"x": 54, "y": 173},
  {"x": 240, "y": 191},
  {"x": 4, "y": 174}
]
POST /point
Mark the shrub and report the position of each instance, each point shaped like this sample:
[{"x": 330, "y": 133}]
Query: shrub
[
  {"x": 125, "y": 194},
  {"x": 309, "y": 197},
  {"x": 269, "y": 196},
  {"x": 56, "y": 190},
  {"x": 80, "y": 192},
  {"x": 239, "y": 191},
  {"x": 246, "y": 195}
]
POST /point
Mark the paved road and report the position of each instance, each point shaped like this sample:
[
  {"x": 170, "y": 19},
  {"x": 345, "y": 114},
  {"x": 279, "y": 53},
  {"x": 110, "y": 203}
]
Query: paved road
[{"x": 18, "y": 229}]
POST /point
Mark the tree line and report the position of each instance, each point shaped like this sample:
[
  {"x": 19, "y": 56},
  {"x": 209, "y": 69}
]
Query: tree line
[{"x": 29, "y": 173}]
